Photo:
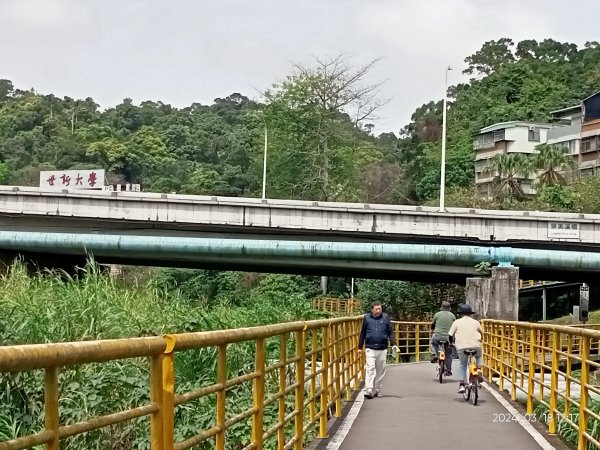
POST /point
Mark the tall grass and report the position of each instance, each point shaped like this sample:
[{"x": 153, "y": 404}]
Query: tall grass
[
  {"x": 564, "y": 428},
  {"x": 57, "y": 308}
]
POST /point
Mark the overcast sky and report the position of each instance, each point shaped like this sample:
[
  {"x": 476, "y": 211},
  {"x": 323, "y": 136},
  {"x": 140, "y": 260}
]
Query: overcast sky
[{"x": 185, "y": 51}]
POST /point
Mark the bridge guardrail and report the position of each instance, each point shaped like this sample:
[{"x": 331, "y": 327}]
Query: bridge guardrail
[
  {"x": 541, "y": 357},
  {"x": 412, "y": 339},
  {"x": 525, "y": 284},
  {"x": 347, "y": 306},
  {"x": 330, "y": 343}
]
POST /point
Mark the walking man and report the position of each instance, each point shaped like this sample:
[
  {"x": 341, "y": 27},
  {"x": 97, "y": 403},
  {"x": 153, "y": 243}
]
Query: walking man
[
  {"x": 375, "y": 335},
  {"x": 442, "y": 321}
]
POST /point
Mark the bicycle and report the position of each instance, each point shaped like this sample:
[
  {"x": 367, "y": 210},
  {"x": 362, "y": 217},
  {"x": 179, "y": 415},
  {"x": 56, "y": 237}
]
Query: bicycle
[
  {"x": 472, "y": 387},
  {"x": 441, "y": 367}
]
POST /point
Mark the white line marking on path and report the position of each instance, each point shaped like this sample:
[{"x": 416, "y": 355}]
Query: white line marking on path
[
  {"x": 344, "y": 429},
  {"x": 535, "y": 434}
]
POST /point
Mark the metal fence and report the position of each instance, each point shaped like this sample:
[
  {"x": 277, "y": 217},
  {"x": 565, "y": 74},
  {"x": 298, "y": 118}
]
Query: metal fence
[
  {"x": 551, "y": 367},
  {"x": 412, "y": 340},
  {"x": 325, "y": 368},
  {"x": 347, "y": 306}
]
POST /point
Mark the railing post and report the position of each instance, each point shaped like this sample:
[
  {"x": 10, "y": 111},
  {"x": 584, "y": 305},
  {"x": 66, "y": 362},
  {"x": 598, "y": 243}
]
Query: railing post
[
  {"x": 313, "y": 380},
  {"x": 583, "y": 396},
  {"x": 487, "y": 348},
  {"x": 531, "y": 373},
  {"x": 259, "y": 393},
  {"x": 495, "y": 345},
  {"x": 501, "y": 357},
  {"x": 168, "y": 391},
  {"x": 282, "y": 388},
  {"x": 221, "y": 393},
  {"x": 362, "y": 357},
  {"x": 347, "y": 360},
  {"x": 568, "y": 372},
  {"x": 542, "y": 353},
  {"x": 554, "y": 382},
  {"x": 156, "y": 396},
  {"x": 355, "y": 355},
  {"x": 513, "y": 375},
  {"x": 299, "y": 419},
  {"x": 418, "y": 343},
  {"x": 397, "y": 337},
  {"x": 51, "y": 415},
  {"x": 324, "y": 383},
  {"x": 338, "y": 372}
]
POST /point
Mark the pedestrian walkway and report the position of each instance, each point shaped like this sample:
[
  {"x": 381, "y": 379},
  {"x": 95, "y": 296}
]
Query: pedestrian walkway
[{"x": 418, "y": 412}]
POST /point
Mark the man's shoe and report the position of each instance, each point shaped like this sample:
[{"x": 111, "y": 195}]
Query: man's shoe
[
  {"x": 368, "y": 394},
  {"x": 378, "y": 394},
  {"x": 434, "y": 359},
  {"x": 448, "y": 373},
  {"x": 461, "y": 389}
]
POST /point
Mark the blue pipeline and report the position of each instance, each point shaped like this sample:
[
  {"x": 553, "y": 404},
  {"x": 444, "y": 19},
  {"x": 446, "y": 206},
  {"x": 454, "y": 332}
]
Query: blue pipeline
[{"x": 196, "y": 248}]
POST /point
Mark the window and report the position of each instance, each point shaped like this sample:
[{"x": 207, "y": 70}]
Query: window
[
  {"x": 587, "y": 145},
  {"x": 481, "y": 165},
  {"x": 484, "y": 141},
  {"x": 499, "y": 135},
  {"x": 534, "y": 134}
]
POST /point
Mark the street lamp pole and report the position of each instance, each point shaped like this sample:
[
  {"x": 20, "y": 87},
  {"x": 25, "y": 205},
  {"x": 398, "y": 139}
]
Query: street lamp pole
[
  {"x": 443, "y": 169},
  {"x": 264, "y": 182}
]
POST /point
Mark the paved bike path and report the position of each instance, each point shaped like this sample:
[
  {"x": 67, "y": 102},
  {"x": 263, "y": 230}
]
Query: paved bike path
[{"x": 418, "y": 412}]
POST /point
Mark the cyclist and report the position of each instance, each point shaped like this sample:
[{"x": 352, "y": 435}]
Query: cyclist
[
  {"x": 467, "y": 334},
  {"x": 442, "y": 321}
]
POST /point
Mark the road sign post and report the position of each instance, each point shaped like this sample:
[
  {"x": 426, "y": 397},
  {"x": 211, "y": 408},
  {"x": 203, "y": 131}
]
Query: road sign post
[{"x": 584, "y": 302}]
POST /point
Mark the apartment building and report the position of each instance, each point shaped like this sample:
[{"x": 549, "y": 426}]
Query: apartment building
[
  {"x": 589, "y": 149},
  {"x": 576, "y": 129},
  {"x": 505, "y": 138}
]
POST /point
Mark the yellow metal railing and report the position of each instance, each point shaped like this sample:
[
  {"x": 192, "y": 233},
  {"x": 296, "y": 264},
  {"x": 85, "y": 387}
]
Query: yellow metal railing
[
  {"x": 535, "y": 283},
  {"x": 348, "y": 306},
  {"x": 538, "y": 360},
  {"x": 412, "y": 339},
  {"x": 332, "y": 344}
]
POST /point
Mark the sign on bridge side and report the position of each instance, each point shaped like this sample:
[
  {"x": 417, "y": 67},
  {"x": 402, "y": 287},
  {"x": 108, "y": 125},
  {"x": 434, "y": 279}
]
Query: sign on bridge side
[
  {"x": 563, "y": 230},
  {"x": 72, "y": 179}
]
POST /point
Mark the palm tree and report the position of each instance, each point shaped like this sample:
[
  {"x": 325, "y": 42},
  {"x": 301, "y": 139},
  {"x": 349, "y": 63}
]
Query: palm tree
[
  {"x": 551, "y": 160},
  {"x": 510, "y": 169}
]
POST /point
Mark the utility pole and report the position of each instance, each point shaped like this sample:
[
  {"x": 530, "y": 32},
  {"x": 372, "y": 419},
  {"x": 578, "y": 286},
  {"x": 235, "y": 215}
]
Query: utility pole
[
  {"x": 443, "y": 168},
  {"x": 264, "y": 182}
]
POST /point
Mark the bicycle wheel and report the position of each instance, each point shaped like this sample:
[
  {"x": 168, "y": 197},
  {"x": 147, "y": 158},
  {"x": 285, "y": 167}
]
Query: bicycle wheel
[
  {"x": 441, "y": 371},
  {"x": 475, "y": 392},
  {"x": 467, "y": 393}
]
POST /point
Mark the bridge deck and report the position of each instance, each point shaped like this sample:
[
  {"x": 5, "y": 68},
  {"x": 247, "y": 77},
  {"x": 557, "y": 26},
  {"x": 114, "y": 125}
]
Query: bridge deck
[{"x": 417, "y": 412}]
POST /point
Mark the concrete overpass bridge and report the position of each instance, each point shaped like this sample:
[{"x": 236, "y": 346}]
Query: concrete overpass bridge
[
  {"x": 187, "y": 215},
  {"x": 455, "y": 240}
]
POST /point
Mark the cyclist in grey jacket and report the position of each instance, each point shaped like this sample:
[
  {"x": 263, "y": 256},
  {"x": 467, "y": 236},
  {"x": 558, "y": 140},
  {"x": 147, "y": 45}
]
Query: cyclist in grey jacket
[{"x": 376, "y": 333}]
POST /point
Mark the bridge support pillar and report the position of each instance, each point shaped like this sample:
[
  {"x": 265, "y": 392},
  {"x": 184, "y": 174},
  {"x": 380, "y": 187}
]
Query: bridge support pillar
[{"x": 495, "y": 297}]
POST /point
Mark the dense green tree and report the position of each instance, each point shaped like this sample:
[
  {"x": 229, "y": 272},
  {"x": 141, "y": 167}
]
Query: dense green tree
[{"x": 320, "y": 130}]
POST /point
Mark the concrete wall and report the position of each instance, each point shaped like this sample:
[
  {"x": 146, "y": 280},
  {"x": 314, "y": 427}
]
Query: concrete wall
[
  {"x": 521, "y": 142},
  {"x": 496, "y": 297}
]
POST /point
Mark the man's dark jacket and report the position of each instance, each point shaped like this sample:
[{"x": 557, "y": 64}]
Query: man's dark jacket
[{"x": 376, "y": 332}]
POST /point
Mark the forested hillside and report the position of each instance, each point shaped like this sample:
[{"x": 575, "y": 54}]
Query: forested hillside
[{"x": 319, "y": 124}]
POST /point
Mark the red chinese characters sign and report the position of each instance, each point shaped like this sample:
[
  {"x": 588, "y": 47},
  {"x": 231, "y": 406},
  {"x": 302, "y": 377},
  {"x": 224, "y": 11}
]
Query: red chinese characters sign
[{"x": 72, "y": 179}]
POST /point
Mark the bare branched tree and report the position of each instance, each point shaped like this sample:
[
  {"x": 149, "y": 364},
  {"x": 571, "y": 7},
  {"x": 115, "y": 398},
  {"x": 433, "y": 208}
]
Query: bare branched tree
[{"x": 329, "y": 92}]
